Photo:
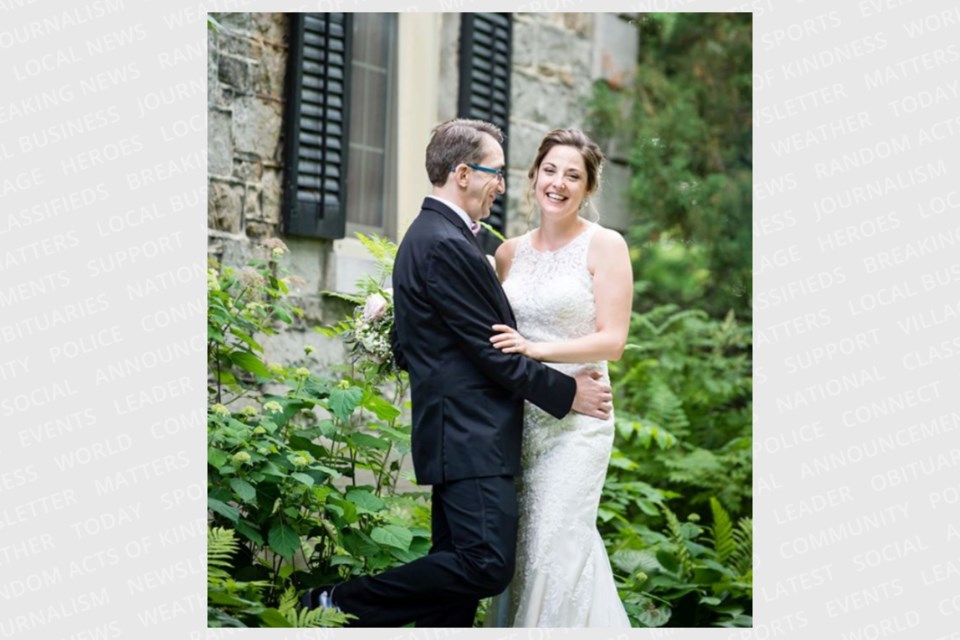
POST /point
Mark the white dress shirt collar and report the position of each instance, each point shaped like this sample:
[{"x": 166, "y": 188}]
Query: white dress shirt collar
[{"x": 473, "y": 226}]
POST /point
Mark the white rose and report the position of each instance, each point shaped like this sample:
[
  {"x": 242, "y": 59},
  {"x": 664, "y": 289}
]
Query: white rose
[{"x": 375, "y": 307}]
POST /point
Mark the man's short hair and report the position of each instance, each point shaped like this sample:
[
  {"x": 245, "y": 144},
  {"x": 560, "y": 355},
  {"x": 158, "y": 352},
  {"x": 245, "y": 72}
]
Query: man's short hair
[{"x": 456, "y": 141}]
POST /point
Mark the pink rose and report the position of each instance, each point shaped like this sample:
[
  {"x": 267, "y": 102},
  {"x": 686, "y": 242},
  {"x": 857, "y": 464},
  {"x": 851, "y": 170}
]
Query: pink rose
[{"x": 375, "y": 307}]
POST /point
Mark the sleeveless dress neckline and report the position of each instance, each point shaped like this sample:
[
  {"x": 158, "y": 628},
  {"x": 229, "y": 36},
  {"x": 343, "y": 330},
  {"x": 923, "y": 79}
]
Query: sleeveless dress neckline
[{"x": 529, "y": 237}]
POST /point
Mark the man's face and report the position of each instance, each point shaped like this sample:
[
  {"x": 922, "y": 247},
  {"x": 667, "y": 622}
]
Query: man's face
[{"x": 484, "y": 187}]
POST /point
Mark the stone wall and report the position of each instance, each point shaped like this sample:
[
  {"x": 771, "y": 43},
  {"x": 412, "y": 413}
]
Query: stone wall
[
  {"x": 247, "y": 60},
  {"x": 246, "y": 66},
  {"x": 556, "y": 59}
]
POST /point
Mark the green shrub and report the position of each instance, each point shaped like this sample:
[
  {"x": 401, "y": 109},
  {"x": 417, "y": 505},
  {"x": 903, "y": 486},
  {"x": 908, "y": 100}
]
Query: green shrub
[{"x": 306, "y": 477}]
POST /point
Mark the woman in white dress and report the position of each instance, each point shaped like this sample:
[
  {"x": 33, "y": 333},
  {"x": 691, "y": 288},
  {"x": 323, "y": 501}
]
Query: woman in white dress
[{"x": 570, "y": 284}]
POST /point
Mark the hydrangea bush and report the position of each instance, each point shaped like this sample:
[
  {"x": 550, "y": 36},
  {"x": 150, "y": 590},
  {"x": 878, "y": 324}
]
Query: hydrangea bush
[{"x": 302, "y": 483}]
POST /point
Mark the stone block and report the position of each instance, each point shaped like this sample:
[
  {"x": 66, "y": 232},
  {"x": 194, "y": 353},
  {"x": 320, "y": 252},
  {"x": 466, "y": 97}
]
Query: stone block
[
  {"x": 241, "y": 46},
  {"x": 256, "y": 126},
  {"x": 268, "y": 76},
  {"x": 251, "y": 204},
  {"x": 213, "y": 55},
  {"x": 247, "y": 167},
  {"x": 272, "y": 27},
  {"x": 219, "y": 143},
  {"x": 257, "y": 230},
  {"x": 615, "y": 48},
  {"x": 553, "y": 44},
  {"x": 580, "y": 23},
  {"x": 524, "y": 53},
  {"x": 224, "y": 206},
  {"x": 272, "y": 194},
  {"x": 234, "y": 21},
  {"x": 558, "y": 106},
  {"x": 524, "y": 140},
  {"x": 524, "y": 97},
  {"x": 232, "y": 253},
  {"x": 234, "y": 71},
  {"x": 305, "y": 260}
]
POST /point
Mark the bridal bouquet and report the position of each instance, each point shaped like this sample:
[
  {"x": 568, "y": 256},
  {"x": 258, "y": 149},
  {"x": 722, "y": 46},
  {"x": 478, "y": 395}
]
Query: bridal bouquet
[
  {"x": 366, "y": 332},
  {"x": 372, "y": 323}
]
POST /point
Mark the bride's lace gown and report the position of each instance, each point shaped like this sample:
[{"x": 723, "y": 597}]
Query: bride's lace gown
[{"x": 563, "y": 576}]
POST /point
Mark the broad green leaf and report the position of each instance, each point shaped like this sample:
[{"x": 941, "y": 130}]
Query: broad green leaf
[
  {"x": 249, "y": 362},
  {"x": 216, "y": 457},
  {"x": 227, "y": 599},
  {"x": 249, "y": 341},
  {"x": 273, "y": 618},
  {"x": 243, "y": 489},
  {"x": 396, "y": 435},
  {"x": 327, "y": 428},
  {"x": 283, "y": 539},
  {"x": 628, "y": 560},
  {"x": 302, "y": 477},
  {"x": 367, "y": 440},
  {"x": 342, "y": 402},
  {"x": 605, "y": 515},
  {"x": 654, "y": 616},
  {"x": 347, "y": 560},
  {"x": 228, "y": 512},
  {"x": 365, "y": 501},
  {"x": 647, "y": 507},
  {"x": 668, "y": 561},
  {"x": 378, "y": 406},
  {"x": 249, "y": 532},
  {"x": 392, "y": 536},
  {"x": 271, "y": 469}
]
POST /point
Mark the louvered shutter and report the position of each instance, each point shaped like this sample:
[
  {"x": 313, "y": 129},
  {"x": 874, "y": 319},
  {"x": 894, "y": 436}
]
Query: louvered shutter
[
  {"x": 485, "y": 42},
  {"x": 316, "y": 125}
]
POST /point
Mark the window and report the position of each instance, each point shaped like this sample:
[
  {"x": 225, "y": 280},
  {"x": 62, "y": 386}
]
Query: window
[
  {"x": 372, "y": 166},
  {"x": 339, "y": 124}
]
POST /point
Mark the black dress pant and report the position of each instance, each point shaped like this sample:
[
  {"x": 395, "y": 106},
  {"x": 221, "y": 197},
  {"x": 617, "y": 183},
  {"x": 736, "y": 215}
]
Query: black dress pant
[{"x": 474, "y": 524}]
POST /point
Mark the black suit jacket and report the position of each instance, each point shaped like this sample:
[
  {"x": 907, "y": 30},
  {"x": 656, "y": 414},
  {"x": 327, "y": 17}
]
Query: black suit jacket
[{"x": 467, "y": 396}]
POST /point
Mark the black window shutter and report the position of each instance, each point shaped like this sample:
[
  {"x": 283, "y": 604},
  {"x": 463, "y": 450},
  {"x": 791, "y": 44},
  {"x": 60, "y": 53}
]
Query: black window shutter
[
  {"x": 485, "y": 43},
  {"x": 316, "y": 125}
]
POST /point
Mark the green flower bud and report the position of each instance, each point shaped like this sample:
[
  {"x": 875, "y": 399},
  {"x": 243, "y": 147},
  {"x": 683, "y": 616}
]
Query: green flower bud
[
  {"x": 240, "y": 458},
  {"x": 273, "y": 407}
]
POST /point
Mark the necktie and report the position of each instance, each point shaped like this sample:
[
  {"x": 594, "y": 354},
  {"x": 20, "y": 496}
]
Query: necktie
[{"x": 475, "y": 228}]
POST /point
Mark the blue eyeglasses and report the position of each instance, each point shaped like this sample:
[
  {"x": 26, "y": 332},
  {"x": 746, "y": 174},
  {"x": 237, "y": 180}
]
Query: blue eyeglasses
[{"x": 480, "y": 167}]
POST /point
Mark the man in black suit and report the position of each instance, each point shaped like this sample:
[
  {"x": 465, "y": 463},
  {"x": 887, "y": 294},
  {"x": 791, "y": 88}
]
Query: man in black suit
[{"x": 467, "y": 397}]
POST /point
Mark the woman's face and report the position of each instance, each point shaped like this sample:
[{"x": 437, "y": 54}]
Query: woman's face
[{"x": 561, "y": 182}]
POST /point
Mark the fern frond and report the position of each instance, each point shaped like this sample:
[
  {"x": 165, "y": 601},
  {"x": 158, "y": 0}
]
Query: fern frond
[
  {"x": 666, "y": 409},
  {"x": 221, "y": 545},
  {"x": 696, "y": 467},
  {"x": 741, "y": 559},
  {"x": 680, "y": 317},
  {"x": 334, "y": 331},
  {"x": 675, "y": 531},
  {"x": 722, "y": 532},
  {"x": 383, "y": 251}
]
